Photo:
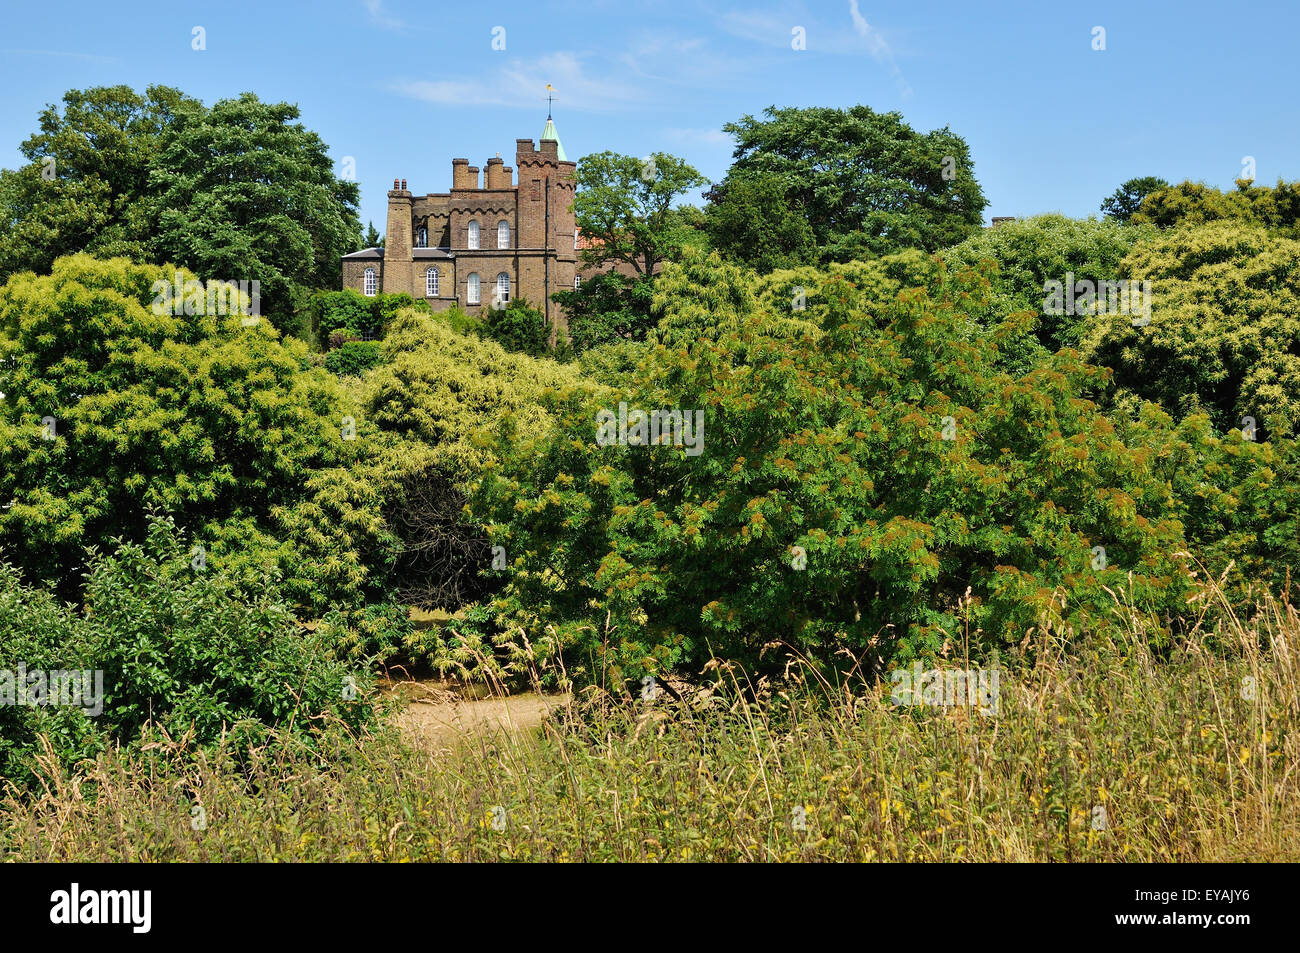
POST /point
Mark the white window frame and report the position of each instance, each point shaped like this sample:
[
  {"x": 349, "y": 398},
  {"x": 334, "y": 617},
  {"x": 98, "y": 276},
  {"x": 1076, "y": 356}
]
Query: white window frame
[
  {"x": 503, "y": 288},
  {"x": 503, "y": 234},
  {"x": 472, "y": 236},
  {"x": 422, "y": 237},
  {"x": 369, "y": 283},
  {"x": 577, "y": 282},
  {"x": 472, "y": 290},
  {"x": 431, "y": 282}
]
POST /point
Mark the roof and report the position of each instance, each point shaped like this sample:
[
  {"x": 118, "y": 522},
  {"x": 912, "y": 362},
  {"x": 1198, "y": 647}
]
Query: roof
[
  {"x": 431, "y": 253},
  {"x": 550, "y": 133},
  {"x": 367, "y": 253}
]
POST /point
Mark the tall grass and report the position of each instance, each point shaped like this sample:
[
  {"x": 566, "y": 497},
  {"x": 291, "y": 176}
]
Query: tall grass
[{"x": 1190, "y": 756}]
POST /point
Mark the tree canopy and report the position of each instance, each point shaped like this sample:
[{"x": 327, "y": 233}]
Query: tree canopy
[
  {"x": 871, "y": 488},
  {"x": 865, "y": 184},
  {"x": 1126, "y": 200},
  {"x": 87, "y": 179},
  {"x": 240, "y": 191}
]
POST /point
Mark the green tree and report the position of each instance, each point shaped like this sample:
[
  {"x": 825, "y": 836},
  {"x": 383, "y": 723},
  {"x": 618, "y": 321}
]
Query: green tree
[
  {"x": 1224, "y": 332},
  {"x": 517, "y": 327},
  {"x": 1194, "y": 203},
  {"x": 1238, "y": 499},
  {"x": 609, "y": 307},
  {"x": 373, "y": 239},
  {"x": 866, "y": 182},
  {"x": 1034, "y": 251},
  {"x": 110, "y": 408},
  {"x": 243, "y": 191},
  {"x": 1126, "y": 199},
  {"x": 624, "y": 208},
  {"x": 87, "y": 177},
  {"x": 434, "y": 392},
  {"x": 757, "y": 219},
  {"x": 882, "y": 487},
  {"x": 185, "y": 651}
]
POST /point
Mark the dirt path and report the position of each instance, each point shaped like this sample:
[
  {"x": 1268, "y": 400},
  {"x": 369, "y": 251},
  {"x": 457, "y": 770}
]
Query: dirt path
[{"x": 438, "y": 716}]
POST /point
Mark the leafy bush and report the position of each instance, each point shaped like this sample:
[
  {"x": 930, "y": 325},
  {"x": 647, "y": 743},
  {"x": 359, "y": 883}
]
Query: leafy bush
[
  {"x": 434, "y": 392},
  {"x": 614, "y": 364},
  {"x": 1030, "y": 252},
  {"x": 353, "y": 357},
  {"x": 226, "y": 427},
  {"x": 1224, "y": 334},
  {"x": 459, "y": 321},
  {"x": 189, "y": 649},
  {"x": 609, "y": 307},
  {"x": 517, "y": 327},
  {"x": 1194, "y": 203},
  {"x": 381, "y": 631},
  {"x": 356, "y": 315},
  {"x": 346, "y": 311},
  {"x": 827, "y": 510},
  {"x": 1238, "y": 500}
]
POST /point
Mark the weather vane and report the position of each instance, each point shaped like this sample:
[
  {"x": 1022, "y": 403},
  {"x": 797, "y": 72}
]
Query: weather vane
[{"x": 549, "y": 90}]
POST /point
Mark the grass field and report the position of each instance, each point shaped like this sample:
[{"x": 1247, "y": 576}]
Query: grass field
[{"x": 1098, "y": 753}]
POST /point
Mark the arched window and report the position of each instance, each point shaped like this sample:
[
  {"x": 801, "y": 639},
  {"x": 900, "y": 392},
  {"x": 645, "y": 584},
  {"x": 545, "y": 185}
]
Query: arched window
[
  {"x": 503, "y": 288},
  {"x": 431, "y": 283},
  {"x": 503, "y": 234},
  {"x": 473, "y": 235},
  {"x": 577, "y": 282},
  {"x": 422, "y": 238},
  {"x": 471, "y": 289},
  {"x": 369, "y": 286}
]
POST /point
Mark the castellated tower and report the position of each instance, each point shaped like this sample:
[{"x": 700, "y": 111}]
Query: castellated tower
[
  {"x": 482, "y": 243},
  {"x": 546, "y": 221}
]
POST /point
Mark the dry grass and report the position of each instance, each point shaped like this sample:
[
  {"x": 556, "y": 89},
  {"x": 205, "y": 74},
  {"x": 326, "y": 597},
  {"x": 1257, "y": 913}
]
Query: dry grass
[{"x": 1193, "y": 756}]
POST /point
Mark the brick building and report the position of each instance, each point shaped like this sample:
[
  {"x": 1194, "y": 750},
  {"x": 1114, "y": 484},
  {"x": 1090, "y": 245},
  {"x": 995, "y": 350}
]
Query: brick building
[{"x": 480, "y": 243}]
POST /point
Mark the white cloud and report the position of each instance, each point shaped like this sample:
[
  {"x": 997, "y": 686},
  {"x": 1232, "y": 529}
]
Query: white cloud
[
  {"x": 80, "y": 56},
  {"x": 877, "y": 46},
  {"x": 707, "y": 137},
  {"x": 875, "y": 42},
  {"x": 773, "y": 28},
  {"x": 381, "y": 19},
  {"x": 522, "y": 83}
]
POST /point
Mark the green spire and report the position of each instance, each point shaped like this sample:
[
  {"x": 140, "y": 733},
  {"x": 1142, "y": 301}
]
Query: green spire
[{"x": 550, "y": 133}]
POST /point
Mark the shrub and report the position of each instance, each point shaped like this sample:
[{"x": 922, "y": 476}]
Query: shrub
[
  {"x": 609, "y": 307},
  {"x": 459, "y": 321},
  {"x": 185, "y": 648},
  {"x": 353, "y": 357},
  {"x": 379, "y": 632},
  {"x": 1031, "y": 252},
  {"x": 827, "y": 510},
  {"x": 517, "y": 327},
  {"x": 1193, "y": 203},
  {"x": 346, "y": 311},
  {"x": 434, "y": 392},
  {"x": 225, "y": 427},
  {"x": 357, "y": 315},
  {"x": 1224, "y": 333}
]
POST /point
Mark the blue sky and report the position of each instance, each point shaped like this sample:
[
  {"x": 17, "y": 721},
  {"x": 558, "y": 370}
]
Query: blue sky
[{"x": 1182, "y": 90}]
